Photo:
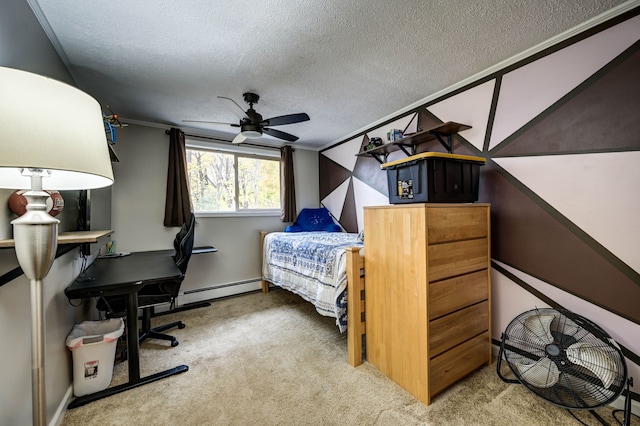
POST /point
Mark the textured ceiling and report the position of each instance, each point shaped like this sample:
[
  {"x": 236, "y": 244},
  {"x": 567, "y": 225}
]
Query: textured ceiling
[{"x": 346, "y": 63}]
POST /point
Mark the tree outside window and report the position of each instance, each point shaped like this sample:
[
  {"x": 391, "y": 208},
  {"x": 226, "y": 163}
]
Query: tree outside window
[{"x": 228, "y": 182}]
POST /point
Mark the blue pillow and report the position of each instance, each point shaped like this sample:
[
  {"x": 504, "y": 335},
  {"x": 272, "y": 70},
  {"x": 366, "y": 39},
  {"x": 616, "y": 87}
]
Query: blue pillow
[{"x": 314, "y": 220}]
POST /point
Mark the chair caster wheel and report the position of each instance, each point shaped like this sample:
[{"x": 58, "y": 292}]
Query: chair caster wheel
[
  {"x": 181, "y": 326},
  {"x": 174, "y": 343}
]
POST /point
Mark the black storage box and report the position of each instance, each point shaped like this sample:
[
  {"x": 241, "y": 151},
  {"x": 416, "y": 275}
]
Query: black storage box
[{"x": 434, "y": 177}]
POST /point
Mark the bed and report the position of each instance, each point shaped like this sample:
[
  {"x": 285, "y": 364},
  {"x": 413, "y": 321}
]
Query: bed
[{"x": 324, "y": 268}]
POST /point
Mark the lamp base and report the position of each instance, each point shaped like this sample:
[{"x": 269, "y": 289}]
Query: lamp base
[{"x": 36, "y": 239}]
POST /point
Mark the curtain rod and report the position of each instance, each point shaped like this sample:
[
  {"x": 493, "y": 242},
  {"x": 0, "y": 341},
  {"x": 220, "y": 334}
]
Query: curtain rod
[{"x": 225, "y": 141}]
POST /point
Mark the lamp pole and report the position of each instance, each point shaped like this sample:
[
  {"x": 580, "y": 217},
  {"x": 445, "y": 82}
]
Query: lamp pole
[{"x": 36, "y": 239}]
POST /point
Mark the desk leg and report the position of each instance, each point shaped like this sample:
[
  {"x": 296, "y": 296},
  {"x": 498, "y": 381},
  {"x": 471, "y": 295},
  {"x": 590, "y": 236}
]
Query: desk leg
[
  {"x": 133, "y": 346},
  {"x": 85, "y": 399}
]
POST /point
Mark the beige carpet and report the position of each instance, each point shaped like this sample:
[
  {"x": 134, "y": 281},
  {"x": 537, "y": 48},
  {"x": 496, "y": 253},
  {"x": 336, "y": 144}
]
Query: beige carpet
[{"x": 272, "y": 360}]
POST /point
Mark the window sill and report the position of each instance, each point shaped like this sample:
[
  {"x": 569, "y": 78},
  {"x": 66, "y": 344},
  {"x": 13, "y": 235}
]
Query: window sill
[{"x": 262, "y": 213}]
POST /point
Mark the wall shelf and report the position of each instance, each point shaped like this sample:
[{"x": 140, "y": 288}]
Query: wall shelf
[
  {"x": 408, "y": 143},
  {"x": 66, "y": 242},
  {"x": 74, "y": 237}
]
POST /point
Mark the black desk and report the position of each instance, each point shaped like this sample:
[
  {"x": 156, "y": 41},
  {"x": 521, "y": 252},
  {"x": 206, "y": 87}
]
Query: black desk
[{"x": 125, "y": 276}]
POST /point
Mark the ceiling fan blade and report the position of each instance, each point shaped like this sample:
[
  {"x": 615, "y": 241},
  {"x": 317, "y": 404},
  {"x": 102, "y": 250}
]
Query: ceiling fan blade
[
  {"x": 280, "y": 135},
  {"x": 210, "y": 122},
  {"x": 239, "y": 138},
  {"x": 235, "y": 108},
  {"x": 285, "y": 119}
]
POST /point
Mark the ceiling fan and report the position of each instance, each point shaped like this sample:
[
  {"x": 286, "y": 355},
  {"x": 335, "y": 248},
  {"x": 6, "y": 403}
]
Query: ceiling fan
[{"x": 252, "y": 125}]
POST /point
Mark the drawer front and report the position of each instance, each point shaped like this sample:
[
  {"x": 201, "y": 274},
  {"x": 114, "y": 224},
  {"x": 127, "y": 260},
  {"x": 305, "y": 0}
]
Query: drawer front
[
  {"x": 457, "y": 258},
  {"x": 453, "y": 329},
  {"x": 451, "y": 366},
  {"x": 457, "y": 223},
  {"x": 456, "y": 293}
]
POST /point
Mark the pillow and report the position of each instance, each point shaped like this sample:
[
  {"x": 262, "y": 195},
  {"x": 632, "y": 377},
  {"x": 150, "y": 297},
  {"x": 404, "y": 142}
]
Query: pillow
[{"x": 314, "y": 220}]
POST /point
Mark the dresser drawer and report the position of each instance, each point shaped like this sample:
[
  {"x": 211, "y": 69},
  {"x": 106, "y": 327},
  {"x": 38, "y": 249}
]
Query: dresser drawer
[
  {"x": 455, "y": 224},
  {"x": 457, "y": 258},
  {"x": 457, "y": 362},
  {"x": 456, "y": 293},
  {"x": 451, "y": 330}
]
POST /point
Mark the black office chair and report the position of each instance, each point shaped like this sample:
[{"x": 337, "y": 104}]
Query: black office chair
[{"x": 159, "y": 293}]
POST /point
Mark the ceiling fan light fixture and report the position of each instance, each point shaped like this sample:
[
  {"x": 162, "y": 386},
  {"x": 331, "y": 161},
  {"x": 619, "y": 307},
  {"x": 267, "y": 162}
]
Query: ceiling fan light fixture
[
  {"x": 251, "y": 134},
  {"x": 250, "y": 130}
]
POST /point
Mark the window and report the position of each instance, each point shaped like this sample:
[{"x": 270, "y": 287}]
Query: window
[{"x": 227, "y": 182}]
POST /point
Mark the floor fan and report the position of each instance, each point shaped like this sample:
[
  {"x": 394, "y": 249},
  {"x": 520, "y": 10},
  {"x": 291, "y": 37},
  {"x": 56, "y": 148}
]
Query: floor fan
[{"x": 565, "y": 359}]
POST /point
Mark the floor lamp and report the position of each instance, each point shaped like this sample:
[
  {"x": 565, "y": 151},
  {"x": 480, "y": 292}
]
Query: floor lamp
[{"x": 51, "y": 137}]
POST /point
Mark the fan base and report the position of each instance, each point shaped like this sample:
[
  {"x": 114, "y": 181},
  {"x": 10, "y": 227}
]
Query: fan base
[{"x": 250, "y": 98}]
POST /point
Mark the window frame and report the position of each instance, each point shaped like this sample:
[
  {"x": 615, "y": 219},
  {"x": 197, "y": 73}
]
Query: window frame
[{"x": 237, "y": 151}]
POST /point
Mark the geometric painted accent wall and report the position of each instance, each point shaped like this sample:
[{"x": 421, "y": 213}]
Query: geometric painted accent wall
[{"x": 561, "y": 135}]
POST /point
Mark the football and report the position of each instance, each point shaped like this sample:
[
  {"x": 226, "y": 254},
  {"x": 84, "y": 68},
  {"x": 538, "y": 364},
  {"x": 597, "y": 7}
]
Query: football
[{"x": 18, "y": 203}]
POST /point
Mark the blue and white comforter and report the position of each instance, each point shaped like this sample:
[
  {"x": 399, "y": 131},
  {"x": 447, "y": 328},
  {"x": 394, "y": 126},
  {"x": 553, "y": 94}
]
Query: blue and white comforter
[{"x": 312, "y": 265}]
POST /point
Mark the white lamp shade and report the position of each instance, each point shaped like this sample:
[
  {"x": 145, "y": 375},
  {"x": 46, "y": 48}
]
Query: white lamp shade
[{"x": 50, "y": 125}]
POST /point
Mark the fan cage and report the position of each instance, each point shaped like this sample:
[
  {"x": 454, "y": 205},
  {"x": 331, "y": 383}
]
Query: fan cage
[{"x": 537, "y": 346}]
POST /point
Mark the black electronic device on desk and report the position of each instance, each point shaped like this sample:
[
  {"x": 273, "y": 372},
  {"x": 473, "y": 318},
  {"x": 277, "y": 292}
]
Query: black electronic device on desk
[{"x": 125, "y": 275}]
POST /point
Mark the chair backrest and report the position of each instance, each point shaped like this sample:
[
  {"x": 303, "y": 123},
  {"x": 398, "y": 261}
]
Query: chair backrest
[{"x": 184, "y": 243}]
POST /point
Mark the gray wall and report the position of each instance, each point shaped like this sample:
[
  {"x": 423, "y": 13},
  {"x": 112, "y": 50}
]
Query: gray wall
[{"x": 138, "y": 212}]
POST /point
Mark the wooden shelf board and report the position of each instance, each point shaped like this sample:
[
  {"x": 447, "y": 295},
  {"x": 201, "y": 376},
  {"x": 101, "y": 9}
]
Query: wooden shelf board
[
  {"x": 447, "y": 128},
  {"x": 74, "y": 237}
]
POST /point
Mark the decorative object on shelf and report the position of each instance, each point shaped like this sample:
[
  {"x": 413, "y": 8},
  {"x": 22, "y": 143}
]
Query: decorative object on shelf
[
  {"x": 394, "y": 135},
  {"x": 18, "y": 202},
  {"x": 111, "y": 121},
  {"x": 39, "y": 150},
  {"x": 374, "y": 143}
]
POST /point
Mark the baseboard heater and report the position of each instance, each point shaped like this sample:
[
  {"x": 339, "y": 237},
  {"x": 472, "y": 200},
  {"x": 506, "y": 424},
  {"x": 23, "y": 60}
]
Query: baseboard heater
[{"x": 219, "y": 286}]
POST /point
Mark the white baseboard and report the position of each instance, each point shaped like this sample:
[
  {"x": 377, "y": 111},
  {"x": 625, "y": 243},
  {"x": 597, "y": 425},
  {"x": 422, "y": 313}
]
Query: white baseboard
[
  {"x": 215, "y": 292},
  {"x": 62, "y": 407}
]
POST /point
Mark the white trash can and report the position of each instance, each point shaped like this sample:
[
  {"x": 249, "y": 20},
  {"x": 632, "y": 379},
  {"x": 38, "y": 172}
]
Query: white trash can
[{"x": 93, "y": 348}]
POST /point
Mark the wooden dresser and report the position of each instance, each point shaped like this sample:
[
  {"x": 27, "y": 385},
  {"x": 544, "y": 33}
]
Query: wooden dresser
[{"x": 428, "y": 293}]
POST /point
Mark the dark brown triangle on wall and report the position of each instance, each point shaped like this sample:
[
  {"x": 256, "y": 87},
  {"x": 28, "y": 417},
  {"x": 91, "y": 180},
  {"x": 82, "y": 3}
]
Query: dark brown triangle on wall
[
  {"x": 527, "y": 235},
  {"x": 601, "y": 117},
  {"x": 367, "y": 169},
  {"x": 428, "y": 121},
  {"x": 332, "y": 175},
  {"x": 348, "y": 216}
]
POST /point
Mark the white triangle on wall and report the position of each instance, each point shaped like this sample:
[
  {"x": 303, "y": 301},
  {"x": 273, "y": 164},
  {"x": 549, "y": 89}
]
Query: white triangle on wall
[
  {"x": 334, "y": 202},
  {"x": 621, "y": 329},
  {"x": 366, "y": 196},
  {"x": 598, "y": 192},
  {"x": 470, "y": 107},
  {"x": 345, "y": 153}
]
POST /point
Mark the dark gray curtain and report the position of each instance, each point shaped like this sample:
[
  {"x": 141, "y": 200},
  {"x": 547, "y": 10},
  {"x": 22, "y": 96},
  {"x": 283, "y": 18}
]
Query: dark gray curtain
[
  {"x": 287, "y": 185},
  {"x": 178, "y": 203}
]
